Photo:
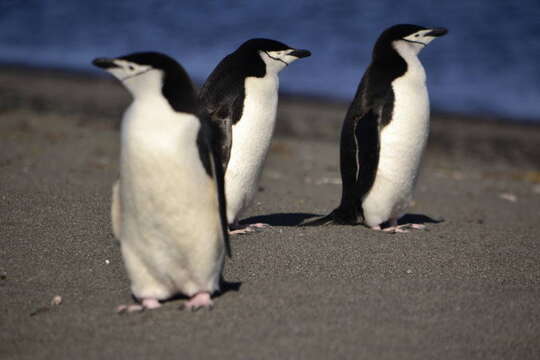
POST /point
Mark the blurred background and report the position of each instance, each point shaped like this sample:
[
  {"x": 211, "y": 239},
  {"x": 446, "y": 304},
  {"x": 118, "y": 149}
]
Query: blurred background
[{"x": 488, "y": 64}]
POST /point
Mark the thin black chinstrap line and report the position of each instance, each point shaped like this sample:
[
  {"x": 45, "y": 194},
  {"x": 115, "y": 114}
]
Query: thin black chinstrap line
[
  {"x": 417, "y": 42},
  {"x": 286, "y": 63}
]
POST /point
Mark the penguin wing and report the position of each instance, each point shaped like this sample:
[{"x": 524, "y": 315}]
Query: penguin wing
[
  {"x": 222, "y": 95},
  {"x": 359, "y": 157},
  {"x": 212, "y": 164},
  {"x": 223, "y": 111},
  {"x": 221, "y": 123},
  {"x": 220, "y": 182},
  {"x": 366, "y": 135}
]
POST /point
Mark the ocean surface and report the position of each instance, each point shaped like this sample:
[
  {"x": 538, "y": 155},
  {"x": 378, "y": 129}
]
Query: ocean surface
[{"x": 488, "y": 64}]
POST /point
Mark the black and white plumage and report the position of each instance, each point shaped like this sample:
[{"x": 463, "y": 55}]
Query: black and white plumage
[
  {"x": 385, "y": 132},
  {"x": 168, "y": 208},
  {"x": 241, "y": 96}
]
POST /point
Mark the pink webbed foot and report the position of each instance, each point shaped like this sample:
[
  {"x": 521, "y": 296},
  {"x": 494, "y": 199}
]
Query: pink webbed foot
[
  {"x": 148, "y": 303},
  {"x": 259, "y": 225},
  {"x": 395, "y": 228},
  {"x": 198, "y": 301},
  {"x": 241, "y": 230},
  {"x": 237, "y": 229},
  {"x": 403, "y": 228}
]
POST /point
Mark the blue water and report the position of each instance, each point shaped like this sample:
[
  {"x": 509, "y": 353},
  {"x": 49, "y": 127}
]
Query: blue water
[{"x": 489, "y": 63}]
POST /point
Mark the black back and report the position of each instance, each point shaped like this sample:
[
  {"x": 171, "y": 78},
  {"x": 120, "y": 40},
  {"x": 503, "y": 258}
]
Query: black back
[
  {"x": 223, "y": 93},
  {"x": 224, "y": 89}
]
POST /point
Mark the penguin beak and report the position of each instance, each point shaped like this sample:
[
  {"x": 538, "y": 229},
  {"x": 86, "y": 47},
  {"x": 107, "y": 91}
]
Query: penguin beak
[
  {"x": 104, "y": 63},
  {"x": 436, "y": 32},
  {"x": 300, "y": 53}
]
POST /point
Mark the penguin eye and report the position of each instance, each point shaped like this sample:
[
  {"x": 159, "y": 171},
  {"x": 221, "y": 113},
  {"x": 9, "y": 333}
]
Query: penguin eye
[
  {"x": 416, "y": 35},
  {"x": 131, "y": 67}
]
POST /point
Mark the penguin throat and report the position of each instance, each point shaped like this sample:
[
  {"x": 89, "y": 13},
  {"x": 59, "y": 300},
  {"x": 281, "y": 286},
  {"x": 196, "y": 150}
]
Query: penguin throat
[
  {"x": 416, "y": 42},
  {"x": 134, "y": 75},
  {"x": 277, "y": 59}
]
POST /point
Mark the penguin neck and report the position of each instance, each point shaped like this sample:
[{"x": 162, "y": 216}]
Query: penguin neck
[
  {"x": 178, "y": 93},
  {"x": 387, "y": 62},
  {"x": 249, "y": 63},
  {"x": 409, "y": 53},
  {"x": 145, "y": 85},
  {"x": 272, "y": 66}
]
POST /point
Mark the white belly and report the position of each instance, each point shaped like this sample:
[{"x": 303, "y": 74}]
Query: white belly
[
  {"x": 402, "y": 143},
  {"x": 170, "y": 228},
  {"x": 251, "y": 138}
]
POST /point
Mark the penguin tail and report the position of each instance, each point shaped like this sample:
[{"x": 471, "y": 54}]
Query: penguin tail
[
  {"x": 321, "y": 221},
  {"x": 334, "y": 218}
]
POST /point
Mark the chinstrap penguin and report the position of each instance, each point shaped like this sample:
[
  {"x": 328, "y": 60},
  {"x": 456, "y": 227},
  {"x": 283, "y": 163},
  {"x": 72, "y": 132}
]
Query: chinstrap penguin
[
  {"x": 241, "y": 97},
  {"x": 168, "y": 208},
  {"x": 385, "y": 132}
]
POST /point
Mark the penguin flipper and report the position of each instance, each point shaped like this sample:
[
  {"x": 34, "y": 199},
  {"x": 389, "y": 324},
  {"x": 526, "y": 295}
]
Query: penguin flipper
[
  {"x": 368, "y": 146},
  {"x": 212, "y": 162},
  {"x": 359, "y": 158},
  {"x": 221, "y": 124},
  {"x": 222, "y": 97},
  {"x": 220, "y": 181}
]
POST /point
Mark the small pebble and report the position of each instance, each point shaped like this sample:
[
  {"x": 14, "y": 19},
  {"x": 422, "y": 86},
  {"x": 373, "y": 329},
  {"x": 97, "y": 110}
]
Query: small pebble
[
  {"x": 57, "y": 300},
  {"x": 327, "y": 180},
  {"x": 107, "y": 262},
  {"x": 409, "y": 271},
  {"x": 457, "y": 175},
  {"x": 508, "y": 197}
]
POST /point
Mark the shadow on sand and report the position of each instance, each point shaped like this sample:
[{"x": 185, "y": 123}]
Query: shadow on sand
[
  {"x": 279, "y": 219},
  {"x": 295, "y": 219},
  {"x": 419, "y": 219}
]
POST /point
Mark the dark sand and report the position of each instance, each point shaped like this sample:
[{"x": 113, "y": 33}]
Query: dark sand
[{"x": 468, "y": 288}]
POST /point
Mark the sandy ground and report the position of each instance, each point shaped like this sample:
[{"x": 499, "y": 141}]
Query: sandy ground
[{"x": 467, "y": 288}]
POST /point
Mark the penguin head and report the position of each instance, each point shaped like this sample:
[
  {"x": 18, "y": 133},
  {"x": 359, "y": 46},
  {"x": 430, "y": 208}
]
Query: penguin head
[
  {"x": 275, "y": 55},
  {"x": 406, "y": 38},
  {"x": 147, "y": 73}
]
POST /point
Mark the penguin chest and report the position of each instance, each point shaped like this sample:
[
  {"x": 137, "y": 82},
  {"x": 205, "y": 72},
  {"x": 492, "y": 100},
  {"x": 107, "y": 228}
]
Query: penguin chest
[
  {"x": 156, "y": 141},
  {"x": 162, "y": 174},
  {"x": 252, "y": 134},
  {"x": 171, "y": 230},
  {"x": 402, "y": 142}
]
